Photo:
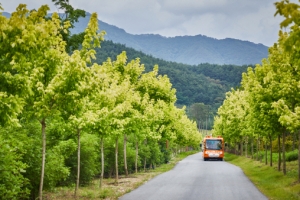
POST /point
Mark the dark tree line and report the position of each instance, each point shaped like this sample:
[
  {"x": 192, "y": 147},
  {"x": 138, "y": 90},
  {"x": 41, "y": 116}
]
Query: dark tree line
[{"x": 205, "y": 83}]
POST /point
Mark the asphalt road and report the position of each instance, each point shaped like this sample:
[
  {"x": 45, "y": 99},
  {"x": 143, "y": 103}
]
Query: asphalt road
[{"x": 193, "y": 178}]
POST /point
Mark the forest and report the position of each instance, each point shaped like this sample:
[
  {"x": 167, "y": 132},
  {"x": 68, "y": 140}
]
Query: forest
[
  {"x": 203, "y": 83},
  {"x": 65, "y": 119}
]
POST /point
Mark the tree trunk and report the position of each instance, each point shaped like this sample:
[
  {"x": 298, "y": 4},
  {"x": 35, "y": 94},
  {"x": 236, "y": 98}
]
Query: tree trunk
[
  {"x": 261, "y": 154},
  {"x": 43, "y": 123},
  {"x": 136, "y": 155},
  {"x": 125, "y": 156},
  {"x": 266, "y": 152},
  {"x": 235, "y": 152},
  {"x": 246, "y": 147},
  {"x": 294, "y": 142},
  {"x": 110, "y": 172},
  {"x": 257, "y": 149},
  {"x": 78, "y": 163},
  {"x": 279, "y": 154},
  {"x": 102, "y": 161},
  {"x": 242, "y": 148},
  {"x": 252, "y": 148},
  {"x": 145, "y": 164},
  {"x": 299, "y": 156},
  {"x": 271, "y": 151},
  {"x": 283, "y": 153},
  {"x": 116, "y": 161}
]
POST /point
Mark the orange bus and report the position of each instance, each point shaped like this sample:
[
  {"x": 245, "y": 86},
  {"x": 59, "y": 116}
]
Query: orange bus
[{"x": 213, "y": 148}]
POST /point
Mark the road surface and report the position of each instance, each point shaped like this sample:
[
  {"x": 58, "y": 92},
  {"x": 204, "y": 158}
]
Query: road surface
[{"x": 195, "y": 179}]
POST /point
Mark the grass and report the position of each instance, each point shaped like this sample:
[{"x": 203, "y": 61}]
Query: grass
[
  {"x": 111, "y": 191},
  {"x": 269, "y": 180}
]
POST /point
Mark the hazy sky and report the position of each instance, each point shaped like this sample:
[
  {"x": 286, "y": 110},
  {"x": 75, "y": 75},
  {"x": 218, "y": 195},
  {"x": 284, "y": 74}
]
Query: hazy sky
[{"x": 251, "y": 20}]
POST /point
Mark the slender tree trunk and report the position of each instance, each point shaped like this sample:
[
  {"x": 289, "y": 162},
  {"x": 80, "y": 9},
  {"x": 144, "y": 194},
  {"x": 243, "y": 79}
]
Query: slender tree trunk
[
  {"x": 266, "y": 152},
  {"x": 242, "y": 148},
  {"x": 257, "y": 149},
  {"x": 125, "y": 156},
  {"x": 145, "y": 159},
  {"x": 252, "y": 148},
  {"x": 116, "y": 161},
  {"x": 261, "y": 154},
  {"x": 43, "y": 123},
  {"x": 246, "y": 147},
  {"x": 235, "y": 152},
  {"x": 102, "y": 162},
  {"x": 271, "y": 151},
  {"x": 299, "y": 156},
  {"x": 283, "y": 153},
  {"x": 110, "y": 172},
  {"x": 294, "y": 141},
  {"x": 78, "y": 163},
  {"x": 136, "y": 155},
  {"x": 279, "y": 154},
  {"x": 145, "y": 164}
]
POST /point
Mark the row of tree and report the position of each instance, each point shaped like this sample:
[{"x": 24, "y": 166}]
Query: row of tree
[
  {"x": 46, "y": 85},
  {"x": 267, "y": 106}
]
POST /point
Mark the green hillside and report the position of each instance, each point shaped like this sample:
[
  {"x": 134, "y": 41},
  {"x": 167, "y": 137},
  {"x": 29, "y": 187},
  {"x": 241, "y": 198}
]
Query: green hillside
[{"x": 206, "y": 83}]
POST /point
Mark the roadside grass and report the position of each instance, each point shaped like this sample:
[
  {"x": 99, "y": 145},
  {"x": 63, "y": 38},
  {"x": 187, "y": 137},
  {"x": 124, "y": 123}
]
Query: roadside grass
[
  {"x": 269, "y": 180},
  {"x": 110, "y": 190}
]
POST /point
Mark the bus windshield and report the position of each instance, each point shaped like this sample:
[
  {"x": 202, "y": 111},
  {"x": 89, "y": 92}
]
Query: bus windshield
[{"x": 213, "y": 144}]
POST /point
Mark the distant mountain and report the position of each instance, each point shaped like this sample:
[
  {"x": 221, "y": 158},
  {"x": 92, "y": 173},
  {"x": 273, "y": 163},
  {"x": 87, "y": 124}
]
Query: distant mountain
[{"x": 190, "y": 50}]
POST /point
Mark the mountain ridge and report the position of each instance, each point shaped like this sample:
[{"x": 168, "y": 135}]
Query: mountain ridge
[{"x": 190, "y": 50}]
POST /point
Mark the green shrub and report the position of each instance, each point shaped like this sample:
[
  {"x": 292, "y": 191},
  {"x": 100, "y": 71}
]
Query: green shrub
[
  {"x": 13, "y": 184},
  {"x": 291, "y": 156}
]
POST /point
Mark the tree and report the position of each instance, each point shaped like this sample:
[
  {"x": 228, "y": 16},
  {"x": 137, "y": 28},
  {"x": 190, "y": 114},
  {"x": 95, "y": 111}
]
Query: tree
[
  {"x": 234, "y": 112},
  {"x": 17, "y": 62},
  {"x": 73, "y": 83},
  {"x": 39, "y": 53},
  {"x": 101, "y": 102},
  {"x": 71, "y": 16},
  {"x": 132, "y": 72},
  {"x": 289, "y": 47}
]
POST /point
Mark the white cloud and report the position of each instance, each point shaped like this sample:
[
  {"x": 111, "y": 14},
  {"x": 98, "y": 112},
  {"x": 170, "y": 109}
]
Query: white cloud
[{"x": 241, "y": 19}]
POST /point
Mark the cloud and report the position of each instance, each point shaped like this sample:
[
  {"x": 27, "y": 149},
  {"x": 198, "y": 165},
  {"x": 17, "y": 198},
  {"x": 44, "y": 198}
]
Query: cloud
[{"x": 241, "y": 19}]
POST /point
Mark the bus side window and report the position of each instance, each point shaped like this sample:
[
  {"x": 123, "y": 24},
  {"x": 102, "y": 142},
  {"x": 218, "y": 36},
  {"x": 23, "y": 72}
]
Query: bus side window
[{"x": 219, "y": 145}]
